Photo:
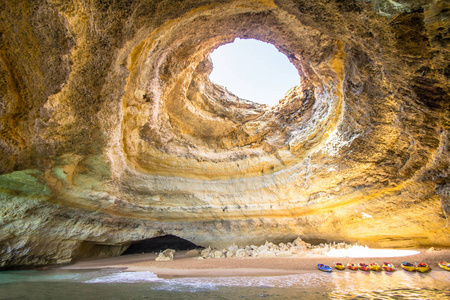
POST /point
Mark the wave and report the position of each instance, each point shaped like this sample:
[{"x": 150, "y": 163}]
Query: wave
[{"x": 127, "y": 277}]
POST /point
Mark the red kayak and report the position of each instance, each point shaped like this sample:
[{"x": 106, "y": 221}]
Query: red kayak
[{"x": 363, "y": 266}]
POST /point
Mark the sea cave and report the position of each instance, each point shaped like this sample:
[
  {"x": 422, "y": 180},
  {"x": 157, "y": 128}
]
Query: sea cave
[{"x": 111, "y": 131}]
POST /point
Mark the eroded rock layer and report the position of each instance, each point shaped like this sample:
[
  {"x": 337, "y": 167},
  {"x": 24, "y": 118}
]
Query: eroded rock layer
[{"x": 111, "y": 132}]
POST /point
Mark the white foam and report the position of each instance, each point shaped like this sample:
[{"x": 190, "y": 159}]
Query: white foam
[
  {"x": 126, "y": 277},
  {"x": 187, "y": 285},
  {"x": 307, "y": 279}
]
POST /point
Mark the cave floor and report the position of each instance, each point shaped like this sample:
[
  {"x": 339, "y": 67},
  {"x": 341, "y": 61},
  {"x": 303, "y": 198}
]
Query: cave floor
[{"x": 183, "y": 266}]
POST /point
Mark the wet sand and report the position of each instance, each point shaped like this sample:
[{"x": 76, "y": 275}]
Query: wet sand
[{"x": 183, "y": 266}]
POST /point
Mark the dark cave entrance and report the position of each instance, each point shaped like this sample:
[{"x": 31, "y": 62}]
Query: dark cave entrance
[{"x": 161, "y": 243}]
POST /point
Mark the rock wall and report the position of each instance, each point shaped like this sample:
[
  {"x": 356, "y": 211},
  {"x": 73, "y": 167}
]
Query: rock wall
[{"x": 111, "y": 132}]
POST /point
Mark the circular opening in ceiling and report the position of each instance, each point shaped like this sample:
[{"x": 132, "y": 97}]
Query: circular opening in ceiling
[{"x": 253, "y": 70}]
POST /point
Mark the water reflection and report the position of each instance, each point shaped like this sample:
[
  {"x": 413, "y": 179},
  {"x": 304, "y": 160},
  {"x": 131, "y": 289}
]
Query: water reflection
[{"x": 397, "y": 285}]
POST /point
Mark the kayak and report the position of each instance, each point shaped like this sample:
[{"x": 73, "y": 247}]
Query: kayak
[
  {"x": 408, "y": 266},
  {"x": 422, "y": 267},
  {"x": 375, "y": 267},
  {"x": 352, "y": 266},
  {"x": 363, "y": 266},
  {"x": 324, "y": 268},
  {"x": 444, "y": 265},
  {"x": 388, "y": 267},
  {"x": 339, "y": 266}
]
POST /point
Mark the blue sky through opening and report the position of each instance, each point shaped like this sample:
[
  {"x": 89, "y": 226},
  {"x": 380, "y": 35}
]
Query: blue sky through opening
[{"x": 253, "y": 70}]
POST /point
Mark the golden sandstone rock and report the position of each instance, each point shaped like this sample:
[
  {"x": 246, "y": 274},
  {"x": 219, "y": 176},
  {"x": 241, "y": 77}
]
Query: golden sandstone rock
[
  {"x": 111, "y": 132},
  {"x": 166, "y": 255}
]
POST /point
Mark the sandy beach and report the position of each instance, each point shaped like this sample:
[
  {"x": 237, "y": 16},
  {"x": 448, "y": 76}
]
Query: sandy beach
[{"x": 183, "y": 266}]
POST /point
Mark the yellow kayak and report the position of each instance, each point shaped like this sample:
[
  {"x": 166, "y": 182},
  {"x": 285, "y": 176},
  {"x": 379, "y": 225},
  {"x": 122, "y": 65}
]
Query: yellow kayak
[
  {"x": 422, "y": 267},
  {"x": 388, "y": 267},
  {"x": 445, "y": 265},
  {"x": 408, "y": 266},
  {"x": 374, "y": 267},
  {"x": 339, "y": 266}
]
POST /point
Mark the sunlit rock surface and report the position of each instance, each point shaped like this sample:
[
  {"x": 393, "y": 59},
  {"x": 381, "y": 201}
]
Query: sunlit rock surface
[{"x": 111, "y": 132}]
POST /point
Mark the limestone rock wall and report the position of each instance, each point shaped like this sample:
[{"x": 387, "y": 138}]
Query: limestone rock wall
[{"x": 111, "y": 132}]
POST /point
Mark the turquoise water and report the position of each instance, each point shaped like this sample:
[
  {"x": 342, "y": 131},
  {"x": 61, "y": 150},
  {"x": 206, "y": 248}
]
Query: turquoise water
[{"x": 116, "y": 284}]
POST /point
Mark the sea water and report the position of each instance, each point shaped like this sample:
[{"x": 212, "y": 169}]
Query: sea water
[{"x": 119, "y": 284}]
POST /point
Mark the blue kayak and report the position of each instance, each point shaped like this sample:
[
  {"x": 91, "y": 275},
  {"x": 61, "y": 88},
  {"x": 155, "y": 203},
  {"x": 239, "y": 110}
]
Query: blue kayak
[{"x": 324, "y": 268}]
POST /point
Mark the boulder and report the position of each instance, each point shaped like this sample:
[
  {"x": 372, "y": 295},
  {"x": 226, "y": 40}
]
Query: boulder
[
  {"x": 217, "y": 254},
  {"x": 206, "y": 252},
  {"x": 229, "y": 254},
  {"x": 166, "y": 255},
  {"x": 242, "y": 253}
]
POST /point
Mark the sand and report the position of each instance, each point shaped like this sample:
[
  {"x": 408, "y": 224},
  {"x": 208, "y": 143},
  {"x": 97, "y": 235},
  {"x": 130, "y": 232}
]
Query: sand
[{"x": 183, "y": 266}]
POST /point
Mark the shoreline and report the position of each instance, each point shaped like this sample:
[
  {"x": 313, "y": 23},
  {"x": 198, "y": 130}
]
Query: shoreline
[{"x": 183, "y": 266}]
